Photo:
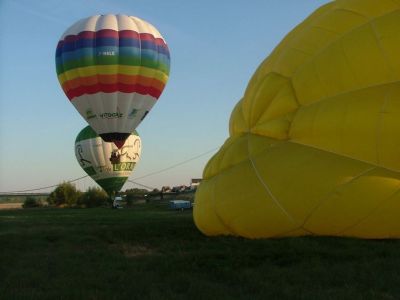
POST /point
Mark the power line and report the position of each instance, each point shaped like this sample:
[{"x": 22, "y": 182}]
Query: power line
[
  {"x": 145, "y": 186},
  {"x": 176, "y": 165},
  {"x": 42, "y": 188},
  {"x": 144, "y": 176}
]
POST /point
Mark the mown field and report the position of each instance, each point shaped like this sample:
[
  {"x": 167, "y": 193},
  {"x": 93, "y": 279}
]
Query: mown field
[{"x": 150, "y": 252}]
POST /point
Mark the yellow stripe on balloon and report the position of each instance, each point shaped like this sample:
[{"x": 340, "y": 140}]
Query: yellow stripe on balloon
[{"x": 112, "y": 69}]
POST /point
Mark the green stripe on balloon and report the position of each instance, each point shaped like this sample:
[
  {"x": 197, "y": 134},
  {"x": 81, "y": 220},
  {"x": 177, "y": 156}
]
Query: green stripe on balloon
[
  {"x": 86, "y": 134},
  {"x": 112, "y": 60},
  {"x": 112, "y": 185},
  {"x": 90, "y": 171}
]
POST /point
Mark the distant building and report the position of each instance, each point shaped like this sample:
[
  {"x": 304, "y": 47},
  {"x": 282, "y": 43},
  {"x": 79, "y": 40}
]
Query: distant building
[
  {"x": 165, "y": 189},
  {"x": 194, "y": 183},
  {"x": 179, "y": 188}
]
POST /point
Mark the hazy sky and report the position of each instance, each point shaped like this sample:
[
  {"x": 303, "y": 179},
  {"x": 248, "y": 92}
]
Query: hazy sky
[{"x": 215, "y": 47}]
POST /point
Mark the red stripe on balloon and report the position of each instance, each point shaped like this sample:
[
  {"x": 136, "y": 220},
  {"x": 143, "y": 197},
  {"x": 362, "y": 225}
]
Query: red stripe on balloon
[
  {"x": 129, "y": 34},
  {"x": 113, "y": 79},
  {"x": 110, "y": 33},
  {"x": 112, "y": 88}
]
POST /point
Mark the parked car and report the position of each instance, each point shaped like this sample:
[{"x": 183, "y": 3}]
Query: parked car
[{"x": 180, "y": 204}]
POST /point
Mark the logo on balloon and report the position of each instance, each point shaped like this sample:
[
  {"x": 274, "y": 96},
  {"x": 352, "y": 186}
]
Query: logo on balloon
[
  {"x": 133, "y": 113},
  {"x": 82, "y": 160},
  {"x": 125, "y": 166},
  {"x": 90, "y": 114},
  {"x": 106, "y": 53},
  {"x": 114, "y": 115}
]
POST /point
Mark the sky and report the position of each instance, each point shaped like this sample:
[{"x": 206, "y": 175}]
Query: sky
[{"x": 215, "y": 48}]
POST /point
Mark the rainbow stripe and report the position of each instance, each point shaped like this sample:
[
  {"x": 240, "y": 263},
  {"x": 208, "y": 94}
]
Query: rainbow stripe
[{"x": 112, "y": 61}]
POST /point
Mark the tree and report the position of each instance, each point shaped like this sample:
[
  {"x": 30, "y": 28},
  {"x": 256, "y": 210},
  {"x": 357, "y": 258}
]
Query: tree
[
  {"x": 134, "y": 194},
  {"x": 135, "y": 191},
  {"x": 64, "y": 194},
  {"x": 93, "y": 197},
  {"x": 31, "y": 202},
  {"x": 129, "y": 199}
]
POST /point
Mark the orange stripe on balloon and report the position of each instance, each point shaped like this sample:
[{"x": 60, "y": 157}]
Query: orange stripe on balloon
[
  {"x": 112, "y": 79},
  {"x": 111, "y": 88}
]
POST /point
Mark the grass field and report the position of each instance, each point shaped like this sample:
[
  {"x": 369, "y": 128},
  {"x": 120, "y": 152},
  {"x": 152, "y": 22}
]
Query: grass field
[
  {"x": 8, "y": 199},
  {"x": 150, "y": 252}
]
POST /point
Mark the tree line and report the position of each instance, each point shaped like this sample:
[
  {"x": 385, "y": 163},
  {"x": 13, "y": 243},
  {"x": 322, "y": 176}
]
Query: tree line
[{"x": 67, "y": 195}]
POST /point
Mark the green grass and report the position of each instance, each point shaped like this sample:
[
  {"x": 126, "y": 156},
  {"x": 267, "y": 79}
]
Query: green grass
[
  {"x": 11, "y": 199},
  {"x": 150, "y": 252},
  {"x": 18, "y": 199}
]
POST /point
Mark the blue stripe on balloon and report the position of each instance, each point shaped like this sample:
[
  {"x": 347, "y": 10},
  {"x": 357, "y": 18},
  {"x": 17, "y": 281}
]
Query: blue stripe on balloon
[
  {"x": 100, "y": 42},
  {"x": 118, "y": 51},
  {"x": 129, "y": 51},
  {"x": 129, "y": 42}
]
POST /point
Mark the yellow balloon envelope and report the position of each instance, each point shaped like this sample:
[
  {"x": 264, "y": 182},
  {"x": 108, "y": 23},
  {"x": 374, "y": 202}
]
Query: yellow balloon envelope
[{"x": 314, "y": 144}]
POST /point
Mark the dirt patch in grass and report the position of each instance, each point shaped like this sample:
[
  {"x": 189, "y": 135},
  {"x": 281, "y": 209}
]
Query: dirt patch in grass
[
  {"x": 10, "y": 205},
  {"x": 129, "y": 250}
]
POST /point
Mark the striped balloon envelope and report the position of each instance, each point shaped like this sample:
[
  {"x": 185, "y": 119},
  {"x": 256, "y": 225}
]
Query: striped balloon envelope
[
  {"x": 103, "y": 162},
  {"x": 113, "y": 68}
]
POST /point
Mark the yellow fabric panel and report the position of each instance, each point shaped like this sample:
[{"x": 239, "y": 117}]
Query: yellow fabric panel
[
  {"x": 310, "y": 42},
  {"x": 234, "y": 154},
  {"x": 382, "y": 222},
  {"x": 283, "y": 103},
  {"x": 369, "y": 8},
  {"x": 267, "y": 89},
  {"x": 206, "y": 211},
  {"x": 344, "y": 60},
  {"x": 231, "y": 204},
  {"x": 389, "y": 128},
  {"x": 295, "y": 42},
  {"x": 308, "y": 86},
  {"x": 289, "y": 60},
  {"x": 250, "y": 223},
  {"x": 277, "y": 128},
  {"x": 213, "y": 167},
  {"x": 339, "y": 21},
  {"x": 277, "y": 93},
  {"x": 342, "y": 67},
  {"x": 348, "y": 124},
  {"x": 376, "y": 70},
  {"x": 258, "y": 144},
  {"x": 352, "y": 202},
  {"x": 301, "y": 179},
  {"x": 320, "y": 132},
  {"x": 361, "y": 125},
  {"x": 387, "y": 32},
  {"x": 302, "y": 125},
  {"x": 237, "y": 123},
  {"x": 314, "y": 144},
  {"x": 333, "y": 72}
]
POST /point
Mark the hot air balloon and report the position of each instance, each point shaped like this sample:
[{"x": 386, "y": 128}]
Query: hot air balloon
[
  {"x": 314, "y": 143},
  {"x": 112, "y": 68},
  {"x": 109, "y": 166}
]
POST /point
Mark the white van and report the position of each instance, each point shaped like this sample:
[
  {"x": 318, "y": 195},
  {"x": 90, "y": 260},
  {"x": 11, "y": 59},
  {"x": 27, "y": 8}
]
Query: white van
[{"x": 117, "y": 202}]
